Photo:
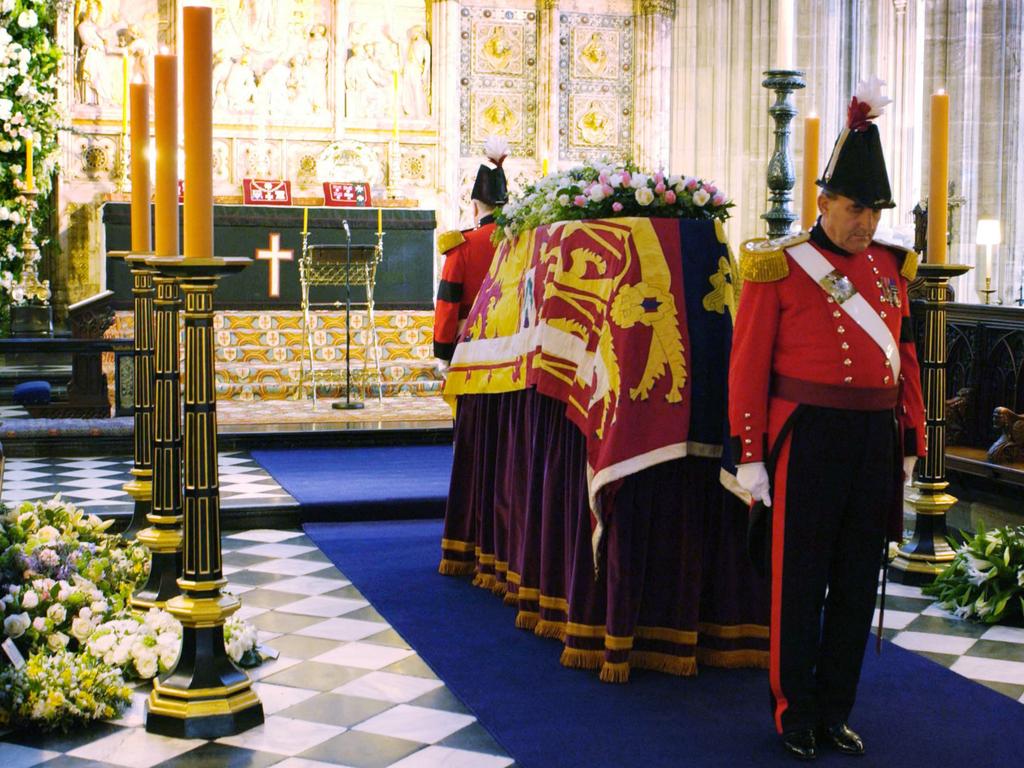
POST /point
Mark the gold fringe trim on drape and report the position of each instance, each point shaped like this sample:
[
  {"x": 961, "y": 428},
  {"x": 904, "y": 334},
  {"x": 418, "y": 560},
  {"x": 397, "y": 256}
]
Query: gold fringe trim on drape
[
  {"x": 615, "y": 672},
  {"x": 684, "y": 666},
  {"x": 484, "y": 580},
  {"x": 733, "y": 659},
  {"x": 500, "y": 588},
  {"x": 546, "y": 628},
  {"x": 527, "y": 620},
  {"x": 455, "y": 568},
  {"x": 511, "y": 598},
  {"x": 733, "y": 631},
  {"x": 578, "y": 658}
]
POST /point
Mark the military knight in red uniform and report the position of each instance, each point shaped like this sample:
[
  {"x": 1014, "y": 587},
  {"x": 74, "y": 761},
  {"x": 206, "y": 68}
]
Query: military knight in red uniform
[
  {"x": 468, "y": 254},
  {"x": 827, "y": 420}
]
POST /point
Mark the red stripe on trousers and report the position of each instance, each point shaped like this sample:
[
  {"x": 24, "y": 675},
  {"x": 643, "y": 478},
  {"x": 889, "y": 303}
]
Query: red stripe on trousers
[{"x": 778, "y": 541}]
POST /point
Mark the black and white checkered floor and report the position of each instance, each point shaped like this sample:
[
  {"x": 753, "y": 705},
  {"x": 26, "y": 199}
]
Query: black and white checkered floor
[
  {"x": 97, "y": 484},
  {"x": 347, "y": 689}
]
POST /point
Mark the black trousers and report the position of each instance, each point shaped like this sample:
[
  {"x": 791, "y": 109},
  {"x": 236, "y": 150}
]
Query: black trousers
[{"x": 832, "y": 482}]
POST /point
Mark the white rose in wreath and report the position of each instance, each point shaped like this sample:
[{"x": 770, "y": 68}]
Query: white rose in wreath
[
  {"x": 645, "y": 195},
  {"x": 700, "y": 197},
  {"x": 16, "y": 624},
  {"x": 56, "y": 614}
]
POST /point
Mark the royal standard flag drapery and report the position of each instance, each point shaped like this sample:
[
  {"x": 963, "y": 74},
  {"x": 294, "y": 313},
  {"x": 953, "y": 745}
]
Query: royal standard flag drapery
[{"x": 628, "y": 321}]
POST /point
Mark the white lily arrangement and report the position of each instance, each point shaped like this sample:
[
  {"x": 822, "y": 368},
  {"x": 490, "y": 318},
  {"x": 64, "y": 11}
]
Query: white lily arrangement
[{"x": 985, "y": 581}]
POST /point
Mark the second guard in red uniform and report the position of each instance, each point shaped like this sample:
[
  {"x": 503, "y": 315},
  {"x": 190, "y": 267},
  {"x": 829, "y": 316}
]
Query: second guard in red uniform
[
  {"x": 825, "y": 403},
  {"x": 468, "y": 254}
]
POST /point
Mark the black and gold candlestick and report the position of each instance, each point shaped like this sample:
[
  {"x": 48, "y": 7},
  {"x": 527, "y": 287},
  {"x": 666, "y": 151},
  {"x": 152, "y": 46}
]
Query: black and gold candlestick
[
  {"x": 928, "y": 552},
  {"x": 163, "y": 537},
  {"x": 140, "y": 487},
  {"x": 205, "y": 695}
]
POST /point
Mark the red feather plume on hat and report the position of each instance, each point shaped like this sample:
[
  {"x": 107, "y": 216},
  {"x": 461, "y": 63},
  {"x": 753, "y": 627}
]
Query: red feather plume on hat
[{"x": 867, "y": 104}]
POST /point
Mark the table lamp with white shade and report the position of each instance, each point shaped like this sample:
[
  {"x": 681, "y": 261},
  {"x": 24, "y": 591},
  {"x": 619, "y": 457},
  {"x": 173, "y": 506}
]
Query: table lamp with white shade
[{"x": 989, "y": 236}]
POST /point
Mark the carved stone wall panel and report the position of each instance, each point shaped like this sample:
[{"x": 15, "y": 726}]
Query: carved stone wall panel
[
  {"x": 595, "y": 80},
  {"x": 387, "y": 54},
  {"x": 416, "y": 165},
  {"x": 93, "y": 158},
  {"x": 300, "y": 163},
  {"x": 108, "y": 38},
  {"x": 498, "y": 64},
  {"x": 272, "y": 62}
]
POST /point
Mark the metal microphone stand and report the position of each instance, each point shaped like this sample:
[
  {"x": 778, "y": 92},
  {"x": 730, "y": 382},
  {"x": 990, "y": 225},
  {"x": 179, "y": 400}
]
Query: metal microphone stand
[{"x": 348, "y": 405}]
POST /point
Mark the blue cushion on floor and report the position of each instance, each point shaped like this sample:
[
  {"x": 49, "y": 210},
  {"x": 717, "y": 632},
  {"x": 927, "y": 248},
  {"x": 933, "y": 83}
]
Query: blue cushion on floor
[{"x": 32, "y": 393}]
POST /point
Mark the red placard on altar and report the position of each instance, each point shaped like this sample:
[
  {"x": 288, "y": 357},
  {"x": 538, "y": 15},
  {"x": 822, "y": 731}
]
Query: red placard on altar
[
  {"x": 347, "y": 194},
  {"x": 266, "y": 192}
]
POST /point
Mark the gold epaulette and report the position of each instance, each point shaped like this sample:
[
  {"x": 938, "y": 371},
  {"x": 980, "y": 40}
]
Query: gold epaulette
[
  {"x": 764, "y": 261},
  {"x": 909, "y": 257},
  {"x": 448, "y": 240}
]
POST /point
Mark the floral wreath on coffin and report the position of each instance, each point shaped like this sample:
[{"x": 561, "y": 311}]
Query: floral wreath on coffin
[{"x": 609, "y": 191}]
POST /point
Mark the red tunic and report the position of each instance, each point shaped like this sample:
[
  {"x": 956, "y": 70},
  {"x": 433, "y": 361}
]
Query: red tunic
[
  {"x": 464, "y": 269},
  {"x": 792, "y": 328}
]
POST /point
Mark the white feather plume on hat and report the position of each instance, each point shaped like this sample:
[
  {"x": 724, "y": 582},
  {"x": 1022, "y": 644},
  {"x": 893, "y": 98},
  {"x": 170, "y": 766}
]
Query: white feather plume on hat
[
  {"x": 867, "y": 103},
  {"x": 496, "y": 149}
]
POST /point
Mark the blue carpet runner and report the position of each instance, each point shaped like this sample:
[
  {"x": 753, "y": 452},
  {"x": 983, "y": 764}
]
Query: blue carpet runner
[
  {"x": 912, "y": 712},
  {"x": 363, "y": 482}
]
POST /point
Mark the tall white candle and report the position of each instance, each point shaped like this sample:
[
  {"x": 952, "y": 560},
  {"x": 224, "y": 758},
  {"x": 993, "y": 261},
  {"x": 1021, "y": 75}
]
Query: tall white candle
[{"x": 785, "y": 29}]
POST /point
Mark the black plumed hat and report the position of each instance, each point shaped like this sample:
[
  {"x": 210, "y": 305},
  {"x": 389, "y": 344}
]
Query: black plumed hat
[
  {"x": 490, "y": 186},
  {"x": 856, "y": 168}
]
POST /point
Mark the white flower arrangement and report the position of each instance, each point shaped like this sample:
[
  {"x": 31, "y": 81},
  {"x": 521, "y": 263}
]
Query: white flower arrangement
[
  {"x": 139, "y": 645},
  {"x": 64, "y": 587},
  {"x": 57, "y": 690},
  {"x": 985, "y": 581},
  {"x": 608, "y": 191},
  {"x": 30, "y": 55},
  {"x": 241, "y": 642}
]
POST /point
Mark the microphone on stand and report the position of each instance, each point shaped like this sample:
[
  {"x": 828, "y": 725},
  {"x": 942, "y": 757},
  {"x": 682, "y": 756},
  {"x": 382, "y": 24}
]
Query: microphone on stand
[{"x": 344, "y": 225}]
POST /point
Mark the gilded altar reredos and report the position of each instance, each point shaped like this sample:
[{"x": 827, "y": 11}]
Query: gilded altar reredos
[{"x": 303, "y": 85}]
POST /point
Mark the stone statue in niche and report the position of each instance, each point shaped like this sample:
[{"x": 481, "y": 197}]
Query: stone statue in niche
[
  {"x": 362, "y": 95},
  {"x": 1009, "y": 446},
  {"x": 416, "y": 74},
  {"x": 385, "y": 55},
  {"x": 272, "y": 93},
  {"x": 90, "y": 83},
  {"x": 139, "y": 52},
  {"x": 105, "y": 34},
  {"x": 318, "y": 49},
  {"x": 240, "y": 86}
]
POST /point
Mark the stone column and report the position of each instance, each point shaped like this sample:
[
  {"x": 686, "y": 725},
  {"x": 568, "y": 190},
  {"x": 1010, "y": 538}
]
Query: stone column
[
  {"x": 548, "y": 31},
  {"x": 447, "y": 86},
  {"x": 652, "y": 66}
]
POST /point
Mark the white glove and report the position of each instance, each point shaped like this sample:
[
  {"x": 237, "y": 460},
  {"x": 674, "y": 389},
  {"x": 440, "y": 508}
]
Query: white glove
[
  {"x": 442, "y": 366},
  {"x": 753, "y": 478},
  {"x": 909, "y": 462}
]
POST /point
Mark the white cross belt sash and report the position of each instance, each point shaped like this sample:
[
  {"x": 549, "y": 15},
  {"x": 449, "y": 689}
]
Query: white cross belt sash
[{"x": 842, "y": 290}]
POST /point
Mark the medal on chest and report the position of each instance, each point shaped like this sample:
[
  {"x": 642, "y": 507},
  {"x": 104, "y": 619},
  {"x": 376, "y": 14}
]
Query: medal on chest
[{"x": 890, "y": 292}]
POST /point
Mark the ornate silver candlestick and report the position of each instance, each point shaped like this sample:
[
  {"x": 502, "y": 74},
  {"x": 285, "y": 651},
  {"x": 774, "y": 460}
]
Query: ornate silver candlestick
[{"x": 781, "y": 173}]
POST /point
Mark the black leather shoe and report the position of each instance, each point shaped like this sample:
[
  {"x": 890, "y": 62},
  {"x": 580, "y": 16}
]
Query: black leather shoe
[
  {"x": 842, "y": 738},
  {"x": 801, "y": 744}
]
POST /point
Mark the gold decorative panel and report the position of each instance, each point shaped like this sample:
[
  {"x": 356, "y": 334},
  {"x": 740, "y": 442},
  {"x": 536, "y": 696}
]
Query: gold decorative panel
[{"x": 498, "y": 63}]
